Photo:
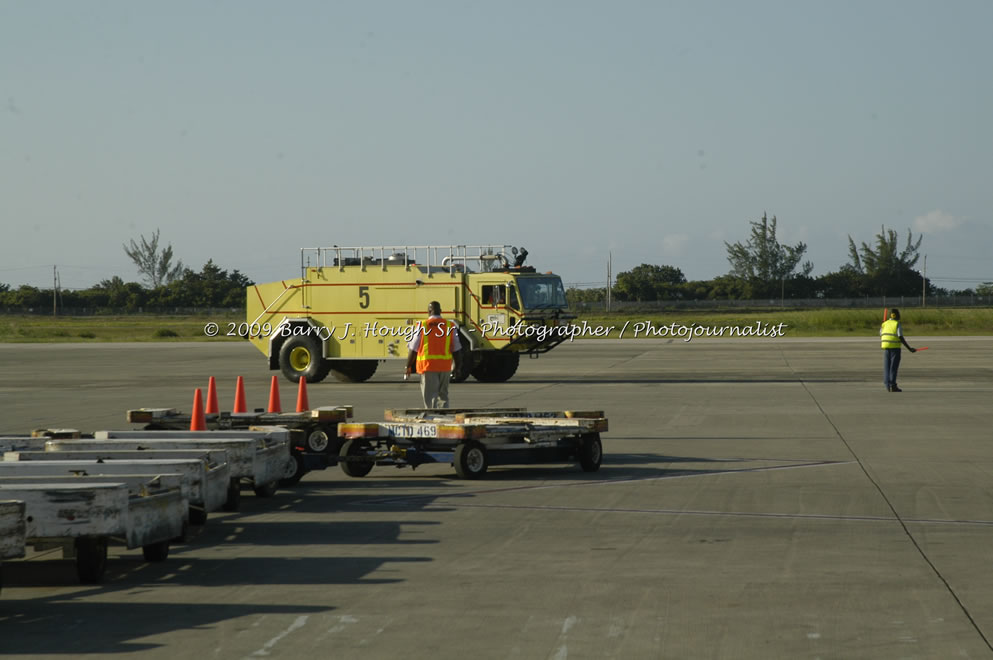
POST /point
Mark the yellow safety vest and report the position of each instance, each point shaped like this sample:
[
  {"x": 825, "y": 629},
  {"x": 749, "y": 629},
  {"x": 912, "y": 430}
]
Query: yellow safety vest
[{"x": 889, "y": 334}]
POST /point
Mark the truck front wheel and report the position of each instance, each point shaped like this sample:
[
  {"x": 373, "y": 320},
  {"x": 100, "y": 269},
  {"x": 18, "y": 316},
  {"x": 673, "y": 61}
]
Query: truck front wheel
[
  {"x": 353, "y": 371},
  {"x": 300, "y": 357},
  {"x": 496, "y": 367}
]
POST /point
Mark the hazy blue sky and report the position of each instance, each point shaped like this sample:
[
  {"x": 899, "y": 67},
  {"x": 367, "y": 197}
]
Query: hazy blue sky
[{"x": 656, "y": 130}]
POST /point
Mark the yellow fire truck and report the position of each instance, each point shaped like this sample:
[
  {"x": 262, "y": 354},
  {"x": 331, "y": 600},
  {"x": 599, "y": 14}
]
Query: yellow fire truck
[{"x": 354, "y": 307}]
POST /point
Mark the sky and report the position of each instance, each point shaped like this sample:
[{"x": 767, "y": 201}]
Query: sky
[{"x": 649, "y": 131}]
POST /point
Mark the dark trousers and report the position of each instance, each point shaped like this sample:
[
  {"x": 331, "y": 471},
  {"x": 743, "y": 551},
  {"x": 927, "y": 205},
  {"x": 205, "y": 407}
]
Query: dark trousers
[{"x": 891, "y": 364}]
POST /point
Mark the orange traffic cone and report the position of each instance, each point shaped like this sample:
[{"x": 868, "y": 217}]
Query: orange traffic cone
[
  {"x": 197, "y": 422},
  {"x": 274, "y": 405},
  {"x": 239, "y": 397},
  {"x": 212, "y": 408},
  {"x": 303, "y": 405}
]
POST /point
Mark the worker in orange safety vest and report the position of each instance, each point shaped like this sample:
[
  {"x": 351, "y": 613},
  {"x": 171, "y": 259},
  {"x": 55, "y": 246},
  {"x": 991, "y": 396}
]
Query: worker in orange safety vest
[{"x": 432, "y": 351}]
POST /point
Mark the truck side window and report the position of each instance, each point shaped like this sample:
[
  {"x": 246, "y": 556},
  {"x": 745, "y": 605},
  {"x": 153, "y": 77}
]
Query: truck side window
[
  {"x": 493, "y": 294},
  {"x": 512, "y": 297}
]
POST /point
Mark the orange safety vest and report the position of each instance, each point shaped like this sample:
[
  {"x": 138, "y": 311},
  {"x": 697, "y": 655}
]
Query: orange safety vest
[{"x": 435, "y": 351}]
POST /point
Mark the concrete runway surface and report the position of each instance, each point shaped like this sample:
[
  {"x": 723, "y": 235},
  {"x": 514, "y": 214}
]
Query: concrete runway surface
[{"x": 761, "y": 498}]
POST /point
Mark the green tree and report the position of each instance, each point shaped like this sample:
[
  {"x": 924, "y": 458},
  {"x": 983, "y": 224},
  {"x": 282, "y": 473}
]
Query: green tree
[
  {"x": 648, "y": 282},
  {"x": 211, "y": 287},
  {"x": 27, "y": 297},
  {"x": 763, "y": 262},
  {"x": 846, "y": 282},
  {"x": 574, "y": 295},
  {"x": 121, "y": 295},
  {"x": 885, "y": 269},
  {"x": 154, "y": 265},
  {"x": 985, "y": 289}
]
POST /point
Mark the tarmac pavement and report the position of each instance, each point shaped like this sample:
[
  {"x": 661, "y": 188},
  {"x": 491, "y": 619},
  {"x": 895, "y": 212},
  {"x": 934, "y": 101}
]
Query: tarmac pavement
[{"x": 759, "y": 498}]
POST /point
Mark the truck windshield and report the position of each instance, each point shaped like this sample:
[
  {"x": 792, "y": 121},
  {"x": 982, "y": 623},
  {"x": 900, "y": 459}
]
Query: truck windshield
[{"x": 541, "y": 292}]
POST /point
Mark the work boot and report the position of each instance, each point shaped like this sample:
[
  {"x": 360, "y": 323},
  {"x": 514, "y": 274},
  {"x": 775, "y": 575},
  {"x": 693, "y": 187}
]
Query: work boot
[{"x": 895, "y": 389}]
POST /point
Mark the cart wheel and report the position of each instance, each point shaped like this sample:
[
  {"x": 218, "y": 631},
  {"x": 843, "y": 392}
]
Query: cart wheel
[
  {"x": 198, "y": 515},
  {"x": 184, "y": 532},
  {"x": 470, "y": 460},
  {"x": 590, "y": 452},
  {"x": 294, "y": 471},
  {"x": 266, "y": 490},
  {"x": 355, "y": 447},
  {"x": 234, "y": 496},
  {"x": 318, "y": 441},
  {"x": 156, "y": 551},
  {"x": 91, "y": 558}
]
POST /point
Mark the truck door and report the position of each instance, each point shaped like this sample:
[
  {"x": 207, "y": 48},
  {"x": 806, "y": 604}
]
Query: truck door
[{"x": 496, "y": 302}]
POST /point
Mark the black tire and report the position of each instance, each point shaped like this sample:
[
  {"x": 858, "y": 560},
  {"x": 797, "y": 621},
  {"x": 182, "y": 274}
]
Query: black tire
[
  {"x": 463, "y": 374},
  {"x": 470, "y": 460},
  {"x": 184, "y": 533},
  {"x": 355, "y": 447},
  {"x": 91, "y": 558},
  {"x": 590, "y": 452},
  {"x": 353, "y": 371},
  {"x": 198, "y": 515},
  {"x": 496, "y": 367},
  {"x": 156, "y": 552},
  {"x": 294, "y": 471},
  {"x": 318, "y": 440},
  {"x": 233, "y": 503},
  {"x": 266, "y": 490},
  {"x": 300, "y": 357}
]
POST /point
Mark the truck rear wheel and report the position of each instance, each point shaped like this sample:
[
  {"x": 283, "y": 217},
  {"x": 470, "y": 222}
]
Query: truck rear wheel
[
  {"x": 353, "y": 371},
  {"x": 467, "y": 361},
  {"x": 300, "y": 357},
  {"x": 496, "y": 367}
]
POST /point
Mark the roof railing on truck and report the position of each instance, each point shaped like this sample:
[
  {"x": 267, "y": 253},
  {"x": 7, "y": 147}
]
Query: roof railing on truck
[{"x": 450, "y": 258}]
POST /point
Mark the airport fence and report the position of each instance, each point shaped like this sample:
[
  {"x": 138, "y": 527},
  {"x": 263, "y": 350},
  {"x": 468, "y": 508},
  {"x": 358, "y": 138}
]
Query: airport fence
[{"x": 787, "y": 303}]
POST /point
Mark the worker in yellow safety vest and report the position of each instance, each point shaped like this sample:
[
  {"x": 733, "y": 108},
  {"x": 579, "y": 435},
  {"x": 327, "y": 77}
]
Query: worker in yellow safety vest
[
  {"x": 432, "y": 351},
  {"x": 891, "y": 335}
]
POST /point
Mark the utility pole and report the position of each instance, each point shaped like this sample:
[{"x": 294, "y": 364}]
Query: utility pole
[
  {"x": 924, "y": 284},
  {"x": 55, "y": 290},
  {"x": 610, "y": 257}
]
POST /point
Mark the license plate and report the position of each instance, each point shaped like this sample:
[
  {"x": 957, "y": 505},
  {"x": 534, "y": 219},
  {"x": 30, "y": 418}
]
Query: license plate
[{"x": 412, "y": 430}]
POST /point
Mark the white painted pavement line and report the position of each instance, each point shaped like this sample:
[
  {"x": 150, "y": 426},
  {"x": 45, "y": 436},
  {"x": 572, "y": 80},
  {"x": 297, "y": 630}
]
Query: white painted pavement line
[
  {"x": 299, "y": 622},
  {"x": 562, "y": 652}
]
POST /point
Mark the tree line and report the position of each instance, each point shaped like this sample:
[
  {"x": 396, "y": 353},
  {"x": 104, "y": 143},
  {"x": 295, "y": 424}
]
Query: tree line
[
  {"x": 760, "y": 268},
  {"x": 764, "y": 268},
  {"x": 167, "y": 284}
]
